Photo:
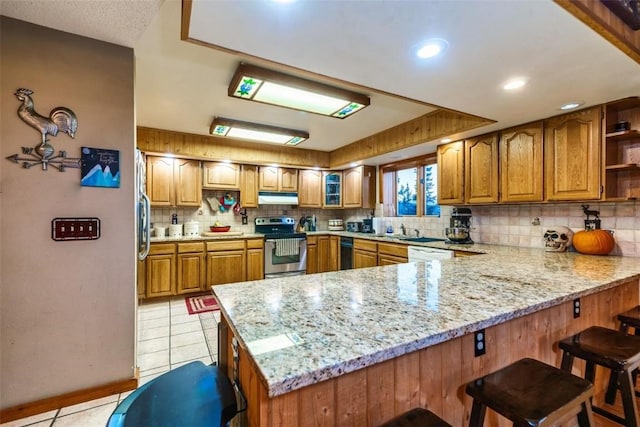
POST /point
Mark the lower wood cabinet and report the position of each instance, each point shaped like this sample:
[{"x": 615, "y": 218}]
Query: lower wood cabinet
[
  {"x": 192, "y": 269},
  {"x": 255, "y": 259},
  {"x": 312, "y": 254},
  {"x": 392, "y": 253},
  {"x": 160, "y": 270},
  {"x": 226, "y": 262},
  {"x": 323, "y": 253},
  {"x": 365, "y": 253}
]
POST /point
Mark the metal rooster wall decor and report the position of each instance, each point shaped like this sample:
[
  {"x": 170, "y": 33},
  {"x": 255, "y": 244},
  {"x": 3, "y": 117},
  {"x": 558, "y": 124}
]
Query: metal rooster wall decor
[{"x": 61, "y": 119}]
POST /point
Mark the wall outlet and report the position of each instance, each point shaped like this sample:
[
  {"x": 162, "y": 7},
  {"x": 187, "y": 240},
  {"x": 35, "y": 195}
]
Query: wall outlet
[
  {"x": 576, "y": 308},
  {"x": 479, "y": 343}
]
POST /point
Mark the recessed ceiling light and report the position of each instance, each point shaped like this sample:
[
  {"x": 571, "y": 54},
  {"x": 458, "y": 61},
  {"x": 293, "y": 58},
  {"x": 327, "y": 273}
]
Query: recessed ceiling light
[
  {"x": 446, "y": 140},
  {"x": 514, "y": 84},
  {"x": 354, "y": 164},
  {"x": 571, "y": 105},
  {"x": 431, "y": 48}
]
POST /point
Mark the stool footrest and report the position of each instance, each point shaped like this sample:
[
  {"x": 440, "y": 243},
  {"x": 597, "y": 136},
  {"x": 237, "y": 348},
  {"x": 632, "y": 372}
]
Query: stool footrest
[{"x": 607, "y": 414}]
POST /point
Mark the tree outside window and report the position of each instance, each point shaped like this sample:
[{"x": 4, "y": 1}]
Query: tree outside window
[
  {"x": 431, "y": 206},
  {"x": 407, "y": 192}
]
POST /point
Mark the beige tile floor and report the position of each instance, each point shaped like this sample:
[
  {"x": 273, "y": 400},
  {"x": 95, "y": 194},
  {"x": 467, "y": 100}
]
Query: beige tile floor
[{"x": 168, "y": 336}]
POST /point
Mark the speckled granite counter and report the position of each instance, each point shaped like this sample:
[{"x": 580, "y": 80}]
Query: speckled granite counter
[{"x": 302, "y": 330}]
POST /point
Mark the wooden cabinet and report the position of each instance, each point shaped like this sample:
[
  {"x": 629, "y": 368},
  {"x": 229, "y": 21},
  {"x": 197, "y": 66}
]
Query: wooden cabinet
[
  {"x": 332, "y": 189},
  {"x": 226, "y": 262},
  {"x": 324, "y": 263},
  {"x": 309, "y": 188},
  {"x": 334, "y": 253},
  {"x": 481, "y": 169},
  {"x": 161, "y": 270},
  {"x": 273, "y": 178},
  {"x": 359, "y": 189},
  {"x": 255, "y": 259},
  {"x": 392, "y": 253},
  {"x": 220, "y": 175},
  {"x": 249, "y": 186},
  {"x": 312, "y": 254},
  {"x": 572, "y": 155},
  {"x": 622, "y": 150},
  {"x": 365, "y": 253},
  {"x": 192, "y": 269},
  {"x": 173, "y": 182},
  {"x": 451, "y": 173},
  {"x": 521, "y": 163}
]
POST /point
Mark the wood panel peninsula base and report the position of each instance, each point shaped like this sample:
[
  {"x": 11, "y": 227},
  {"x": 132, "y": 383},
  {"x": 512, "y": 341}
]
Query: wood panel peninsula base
[{"x": 431, "y": 375}]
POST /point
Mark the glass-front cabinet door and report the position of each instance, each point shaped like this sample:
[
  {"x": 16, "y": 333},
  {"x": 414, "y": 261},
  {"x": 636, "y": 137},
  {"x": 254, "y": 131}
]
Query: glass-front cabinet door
[{"x": 332, "y": 190}]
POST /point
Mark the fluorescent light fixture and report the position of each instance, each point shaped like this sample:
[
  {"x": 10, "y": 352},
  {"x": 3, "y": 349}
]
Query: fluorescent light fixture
[
  {"x": 514, "y": 84},
  {"x": 274, "y": 88},
  {"x": 431, "y": 48},
  {"x": 571, "y": 105},
  {"x": 256, "y": 132}
]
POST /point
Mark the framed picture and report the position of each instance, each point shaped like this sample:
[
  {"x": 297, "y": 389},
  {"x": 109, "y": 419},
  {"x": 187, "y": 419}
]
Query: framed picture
[{"x": 100, "y": 168}]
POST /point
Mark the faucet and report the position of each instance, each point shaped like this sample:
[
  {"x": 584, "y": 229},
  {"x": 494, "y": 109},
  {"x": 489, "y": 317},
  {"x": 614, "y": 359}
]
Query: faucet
[
  {"x": 404, "y": 230},
  {"x": 417, "y": 232}
]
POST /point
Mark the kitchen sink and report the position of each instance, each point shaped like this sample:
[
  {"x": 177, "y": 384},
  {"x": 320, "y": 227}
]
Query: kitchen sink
[{"x": 421, "y": 239}]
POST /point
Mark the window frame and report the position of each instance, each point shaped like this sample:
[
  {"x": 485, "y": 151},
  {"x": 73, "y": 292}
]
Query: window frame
[{"x": 388, "y": 183}]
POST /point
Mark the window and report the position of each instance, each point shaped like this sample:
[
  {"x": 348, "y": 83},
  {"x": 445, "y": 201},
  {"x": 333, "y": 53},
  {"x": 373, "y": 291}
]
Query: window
[{"x": 410, "y": 187}]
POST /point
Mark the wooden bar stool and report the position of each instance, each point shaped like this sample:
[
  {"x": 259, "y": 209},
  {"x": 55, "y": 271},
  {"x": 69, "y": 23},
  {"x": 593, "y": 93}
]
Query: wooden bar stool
[
  {"x": 630, "y": 318},
  {"x": 614, "y": 350},
  {"x": 417, "y": 417},
  {"x": 531, "y": 393}
]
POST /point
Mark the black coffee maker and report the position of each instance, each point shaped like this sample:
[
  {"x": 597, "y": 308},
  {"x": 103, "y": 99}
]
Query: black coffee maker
[{"x": 460, "y": 226}]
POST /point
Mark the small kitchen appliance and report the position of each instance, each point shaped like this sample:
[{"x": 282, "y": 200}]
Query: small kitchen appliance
[
  {"x": 336, "y": 225},
  {"x": 355, "y": 227},
  {"x": 460, "y": 226},
  {"x": 367, "y": 225}
]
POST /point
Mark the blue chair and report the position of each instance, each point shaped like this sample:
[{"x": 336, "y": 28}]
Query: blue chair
[{"x": 192, "y": 395}]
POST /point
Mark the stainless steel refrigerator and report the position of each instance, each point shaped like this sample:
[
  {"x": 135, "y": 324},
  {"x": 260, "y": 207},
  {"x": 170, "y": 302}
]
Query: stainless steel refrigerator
[{"x": 143, "y": 213}]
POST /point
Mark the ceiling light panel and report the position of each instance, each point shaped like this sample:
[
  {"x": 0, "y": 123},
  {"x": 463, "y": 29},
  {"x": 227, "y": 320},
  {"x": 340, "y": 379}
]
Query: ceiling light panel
[
  {"x": 274, "y": 88},
  {"x": 230, "y": 128}
]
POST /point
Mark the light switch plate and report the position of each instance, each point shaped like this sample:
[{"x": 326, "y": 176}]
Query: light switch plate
[{"x": 75, "y": 229}]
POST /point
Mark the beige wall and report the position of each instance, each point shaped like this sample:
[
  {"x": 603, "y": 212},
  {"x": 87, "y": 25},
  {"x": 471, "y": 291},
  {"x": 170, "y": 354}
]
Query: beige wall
[{"x": 67, "y": 308}]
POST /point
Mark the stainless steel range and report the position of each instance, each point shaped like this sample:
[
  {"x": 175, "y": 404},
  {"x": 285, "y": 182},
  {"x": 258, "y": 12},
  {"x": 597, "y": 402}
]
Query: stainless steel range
[{"x": 285, "y": 251}]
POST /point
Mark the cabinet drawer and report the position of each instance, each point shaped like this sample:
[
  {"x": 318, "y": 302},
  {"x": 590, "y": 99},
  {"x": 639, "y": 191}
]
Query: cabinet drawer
[
  {"x": 226, "y": 245},
  {"x": 255, "y": 243},
  {"x": 162, "y": 248},
  {"x": 312, "y": 240},
  {"x": 393, "y": 249},
  {"x": 190, "y": 247},
  {"x": 365, "y": 245}
]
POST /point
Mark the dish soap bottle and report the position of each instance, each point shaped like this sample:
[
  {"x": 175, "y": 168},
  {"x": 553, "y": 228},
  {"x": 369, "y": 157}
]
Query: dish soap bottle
[{"x": 389, "y": 229}]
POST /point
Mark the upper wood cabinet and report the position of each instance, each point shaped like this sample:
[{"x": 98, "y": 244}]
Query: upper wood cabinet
[
  {"x": 249, "y": 186},
  {"x": 173, "y": 182},
  {"x": 359, "y": 188},
  {"x": 451, "y": 173},
  {"x": 332, "y": 189},
  {"x": 622, "y": 150},
  {"x": 220, "y": 175},
  {"x": 521, "y": 163},
  {"x": 481, "y": 169},
  {"x": 273, "y": 178},
  {"x": 572, "y": 155},
  {"x": 309, "y": 188}
]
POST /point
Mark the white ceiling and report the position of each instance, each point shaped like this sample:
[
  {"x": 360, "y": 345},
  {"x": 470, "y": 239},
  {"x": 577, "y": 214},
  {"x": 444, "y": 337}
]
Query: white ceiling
[{"x": 181, "y": 85}]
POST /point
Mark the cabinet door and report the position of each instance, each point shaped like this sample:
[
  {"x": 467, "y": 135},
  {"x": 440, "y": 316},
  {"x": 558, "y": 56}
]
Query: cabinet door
[
  {"x": 226, "y": 267},
  {"x": 191, "y": 273},
  {"x": 188, "y": 182},
  {"x": 324, "y": 263},
  {"x": 312, "y": 258},
  {"x": 160, "y": 186},
  {"x": 268, "y": 180},
  {"x": 141, "y": 278},
  {"x": 572, "y": 155},
  {"x": 332, "y": 190},
  {"x": 220, "y": 175},
  {"x": 481, "y": 169},
  {"x": 451, "y": 173},
  {"x": 363, "y": 259},
  {"x": 287, "y": 180},
  {"x": 352, "y": 193},
  {"x": 390, "y": 259},
  {"x": 334, "y": 253},
  {"x": 309, "y": 188},
  {"x": 161, "y": 275},
  {"x": 255, "y": 264},
  {"x": 249, "y": 186},
  {"x": 521, "y": 160}
]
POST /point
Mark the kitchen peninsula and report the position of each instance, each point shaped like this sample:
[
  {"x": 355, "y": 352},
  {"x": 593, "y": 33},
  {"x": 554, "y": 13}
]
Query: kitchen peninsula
[{"x": 358, "y": 347}]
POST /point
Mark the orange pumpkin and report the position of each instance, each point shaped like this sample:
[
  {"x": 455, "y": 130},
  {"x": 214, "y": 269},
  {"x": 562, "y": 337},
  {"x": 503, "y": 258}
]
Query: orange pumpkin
[{"x": 593, "y": 242}]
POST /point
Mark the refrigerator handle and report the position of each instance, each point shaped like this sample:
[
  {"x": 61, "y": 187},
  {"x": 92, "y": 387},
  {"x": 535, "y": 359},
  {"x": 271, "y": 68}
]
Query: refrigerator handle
[{"x": 146, "y": 232}]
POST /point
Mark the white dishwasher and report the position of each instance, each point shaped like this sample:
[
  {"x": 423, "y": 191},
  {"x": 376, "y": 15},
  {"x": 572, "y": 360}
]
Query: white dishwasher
[{"x": 423, "y": 253}]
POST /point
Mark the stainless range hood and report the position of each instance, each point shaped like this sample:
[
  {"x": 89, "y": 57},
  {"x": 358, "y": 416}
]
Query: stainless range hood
[{"x": 276, "y": 198}]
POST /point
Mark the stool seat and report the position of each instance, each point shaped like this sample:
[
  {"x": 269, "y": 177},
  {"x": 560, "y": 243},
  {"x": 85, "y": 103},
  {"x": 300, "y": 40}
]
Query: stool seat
[
  {"x": 417, "y": 417},
  {"x": 611, "y": 349},
  {"x": 630, "y": 318},
  {"x": 529, "y": 392}
]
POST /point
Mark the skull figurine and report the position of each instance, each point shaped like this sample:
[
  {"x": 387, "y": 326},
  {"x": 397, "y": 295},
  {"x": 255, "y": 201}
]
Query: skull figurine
[{"x": 557, "y": 239}]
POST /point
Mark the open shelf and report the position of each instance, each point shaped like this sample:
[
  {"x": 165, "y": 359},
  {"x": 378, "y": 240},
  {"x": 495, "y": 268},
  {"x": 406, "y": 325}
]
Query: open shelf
[
  {"x": 623, "y": 167},
  {"x": 624, "y": 135}
]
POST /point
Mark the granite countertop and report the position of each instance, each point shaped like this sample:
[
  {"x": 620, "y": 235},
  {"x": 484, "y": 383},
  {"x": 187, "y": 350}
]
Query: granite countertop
[{"x": 304, "y": 329}]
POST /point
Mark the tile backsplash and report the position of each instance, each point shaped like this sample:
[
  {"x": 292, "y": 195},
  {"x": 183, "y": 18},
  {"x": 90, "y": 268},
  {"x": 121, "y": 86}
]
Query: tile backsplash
[{"x": 513, "y": 225}]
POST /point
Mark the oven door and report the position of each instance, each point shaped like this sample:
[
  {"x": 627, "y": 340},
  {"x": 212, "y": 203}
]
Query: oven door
[{"x": 274, "y": 263}]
